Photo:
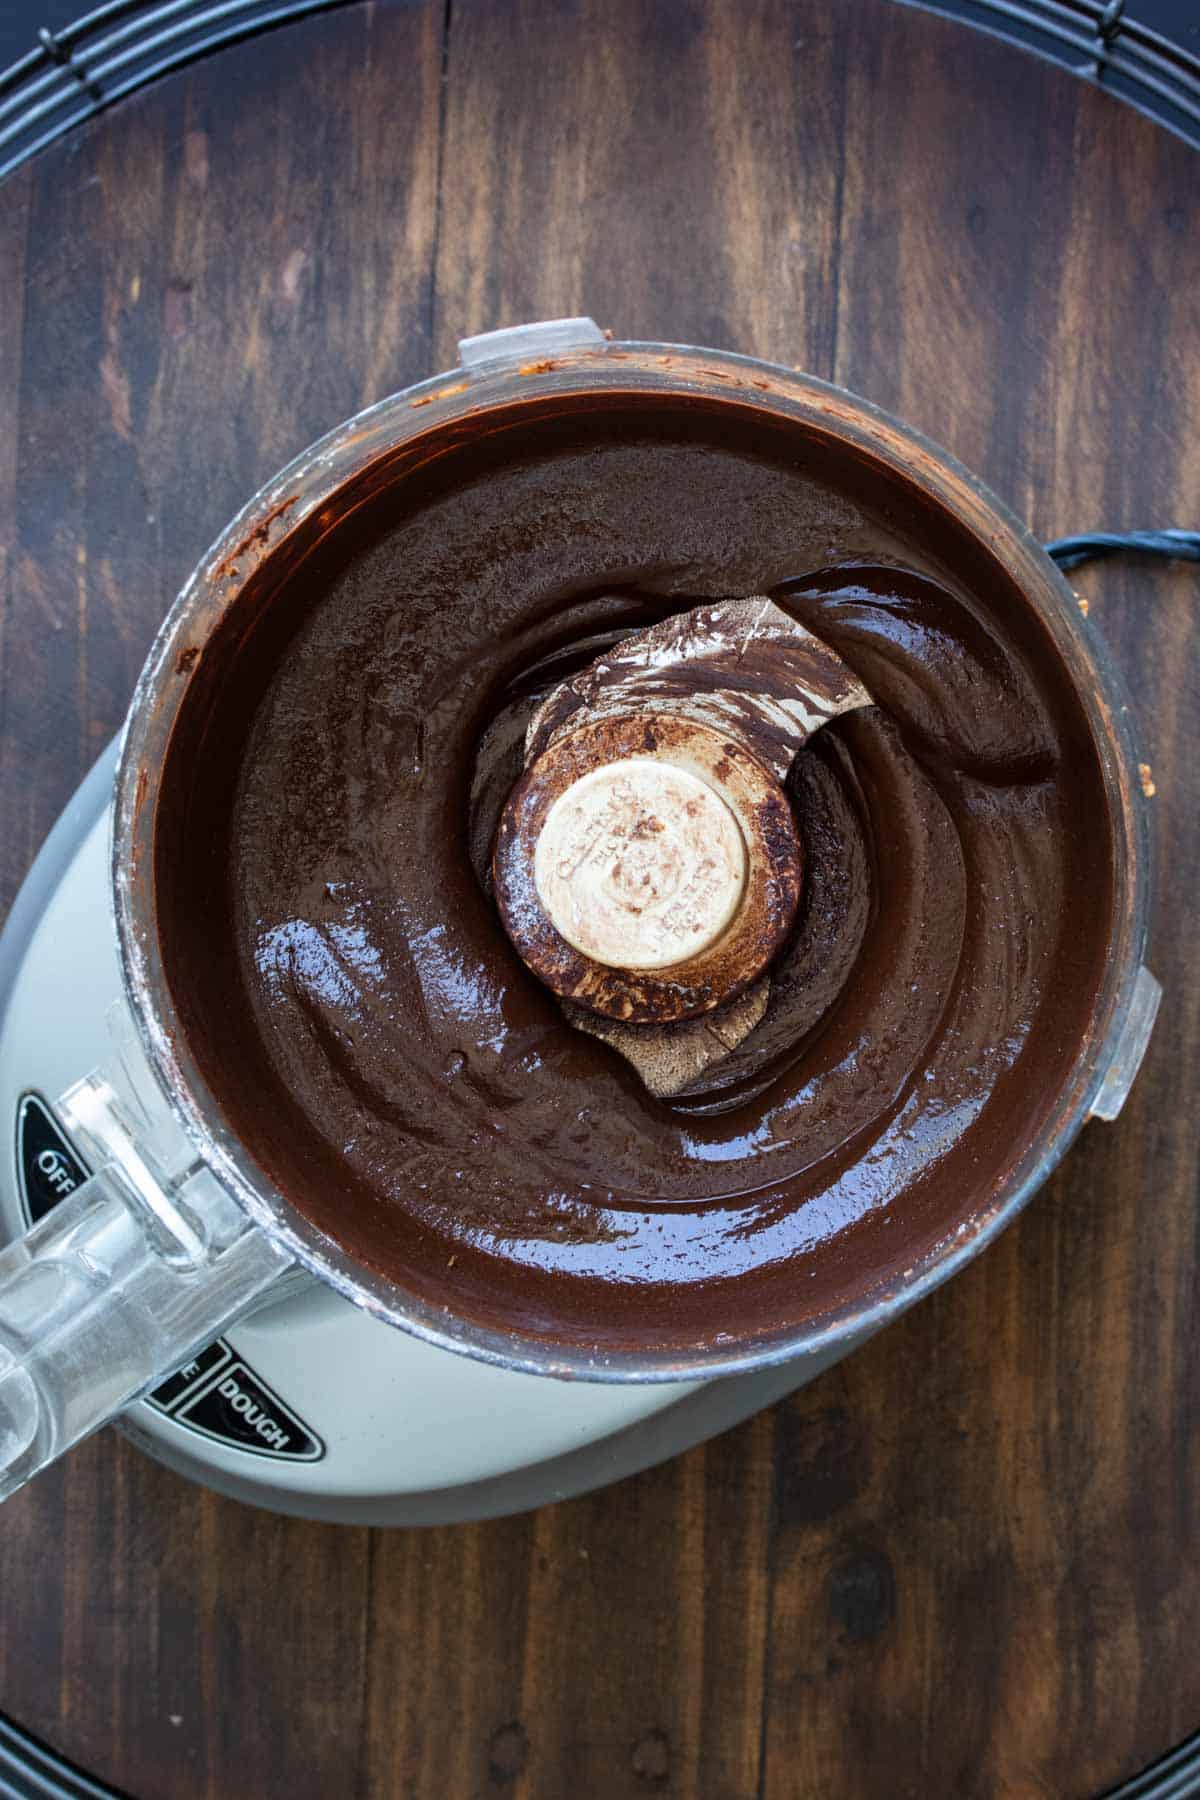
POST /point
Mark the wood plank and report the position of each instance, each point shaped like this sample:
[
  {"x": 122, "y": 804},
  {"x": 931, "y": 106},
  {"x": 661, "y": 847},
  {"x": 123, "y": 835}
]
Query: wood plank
[
  {"x": 986, "y": 1621},
  {"x": 598, "y": 159},
  {"x": 195, "y": 312}
]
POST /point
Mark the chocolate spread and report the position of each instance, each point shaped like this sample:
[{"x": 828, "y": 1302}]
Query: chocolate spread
[{"x": 324, "y": 836}]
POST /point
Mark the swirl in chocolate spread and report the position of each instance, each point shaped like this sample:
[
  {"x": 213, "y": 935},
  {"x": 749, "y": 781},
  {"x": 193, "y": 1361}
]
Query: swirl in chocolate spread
[{"x": 332, "y": 941}]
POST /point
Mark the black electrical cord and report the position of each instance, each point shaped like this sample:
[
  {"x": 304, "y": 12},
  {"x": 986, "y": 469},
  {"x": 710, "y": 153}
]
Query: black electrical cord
[{"x": 1069, "y": 552}]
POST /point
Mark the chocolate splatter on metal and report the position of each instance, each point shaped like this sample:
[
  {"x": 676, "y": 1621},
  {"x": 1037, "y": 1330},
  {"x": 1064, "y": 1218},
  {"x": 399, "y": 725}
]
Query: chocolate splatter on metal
[{"x": 257, "y": 539}]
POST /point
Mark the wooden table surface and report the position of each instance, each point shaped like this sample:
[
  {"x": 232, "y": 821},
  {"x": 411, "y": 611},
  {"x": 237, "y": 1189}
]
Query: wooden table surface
[{"x": 964, "y": 1563}]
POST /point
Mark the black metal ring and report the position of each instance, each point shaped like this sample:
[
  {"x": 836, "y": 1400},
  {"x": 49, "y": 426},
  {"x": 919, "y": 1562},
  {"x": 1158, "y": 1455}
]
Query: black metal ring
[
  {"x": 69, "y": 75},
  {"x": 29, "y": 1770},
  {"x": 1175, "y": 1776},
  {"x": 72, "y": 74}
]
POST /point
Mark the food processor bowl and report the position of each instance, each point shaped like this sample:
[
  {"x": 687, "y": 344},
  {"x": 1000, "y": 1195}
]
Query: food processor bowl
[{"x": 181, "y": 1230}]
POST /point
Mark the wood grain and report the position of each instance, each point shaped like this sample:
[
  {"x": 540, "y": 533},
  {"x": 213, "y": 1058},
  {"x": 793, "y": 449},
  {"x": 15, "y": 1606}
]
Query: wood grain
[{"x": 962, "y": 1563}]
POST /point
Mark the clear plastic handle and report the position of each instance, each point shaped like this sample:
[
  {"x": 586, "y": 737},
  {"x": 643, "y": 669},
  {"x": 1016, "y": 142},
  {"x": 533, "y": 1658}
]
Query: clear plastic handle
[{"x": 121, "y": 1283}]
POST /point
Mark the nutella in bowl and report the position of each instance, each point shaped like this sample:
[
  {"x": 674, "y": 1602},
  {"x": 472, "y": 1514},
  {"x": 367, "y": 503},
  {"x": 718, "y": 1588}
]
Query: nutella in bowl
[{"x": 354, "y": 1026}]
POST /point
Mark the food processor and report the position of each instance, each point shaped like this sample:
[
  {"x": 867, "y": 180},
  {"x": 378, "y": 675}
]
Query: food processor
[{"x": 162, "y": 1282}]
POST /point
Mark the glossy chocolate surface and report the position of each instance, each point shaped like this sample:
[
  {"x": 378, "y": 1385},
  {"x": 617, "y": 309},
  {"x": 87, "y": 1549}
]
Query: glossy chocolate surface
[{"x": 323, "y": 838}]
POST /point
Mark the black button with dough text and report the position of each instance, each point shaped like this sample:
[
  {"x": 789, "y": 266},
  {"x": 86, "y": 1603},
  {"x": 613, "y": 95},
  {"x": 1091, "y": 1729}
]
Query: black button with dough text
[{"x": 240, "y": 1410}]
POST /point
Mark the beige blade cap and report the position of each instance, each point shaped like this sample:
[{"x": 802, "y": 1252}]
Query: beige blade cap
[
  {"x": 640, "y": 864},
  {"x": 646, "y": 864},
  {"x": 615, "y": 888}
]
